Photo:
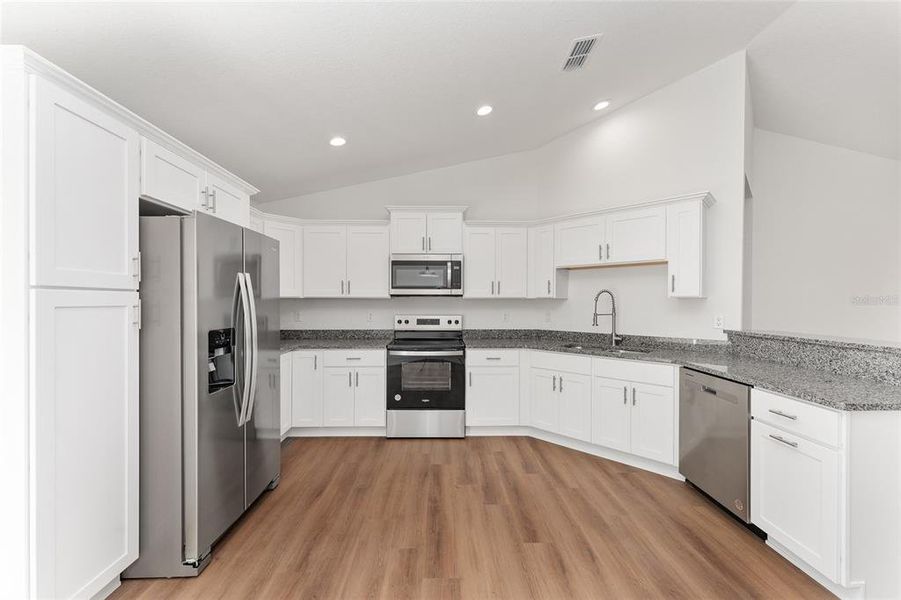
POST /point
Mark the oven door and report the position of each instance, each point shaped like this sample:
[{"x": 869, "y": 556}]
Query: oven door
[
  {"x": 428, "y": 275},
  {"x": 430, "y": 380}
]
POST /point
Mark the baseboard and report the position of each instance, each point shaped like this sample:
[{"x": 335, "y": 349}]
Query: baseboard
[
  {"x": 856, "y": 591},
  {"x": 108, "y": 589},
  {"x": 335, "y": 432}
]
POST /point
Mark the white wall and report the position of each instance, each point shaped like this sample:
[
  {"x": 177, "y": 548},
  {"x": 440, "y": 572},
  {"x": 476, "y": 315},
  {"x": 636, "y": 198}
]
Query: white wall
[
  {"x": 826, "y": 231},
  {"x": 686, "y": 137}
]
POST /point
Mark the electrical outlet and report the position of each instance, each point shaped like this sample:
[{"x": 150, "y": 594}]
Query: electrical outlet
[
  {"x": 718, "y": 322},
  {"x": 369, "y": 319},
  {"x": 506, "y": 317},
  {"x": 547, "y": 316},
  {"x": 297, "y": 317}
]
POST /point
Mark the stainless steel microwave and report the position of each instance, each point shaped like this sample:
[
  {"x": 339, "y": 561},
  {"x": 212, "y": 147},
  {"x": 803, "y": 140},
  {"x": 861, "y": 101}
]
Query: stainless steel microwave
[{"x": 427, "y": 275}]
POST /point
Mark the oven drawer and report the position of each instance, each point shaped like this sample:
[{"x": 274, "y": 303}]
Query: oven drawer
[
  {"x": 492, "y": 358},
  {"x": 353, "y": 358}
]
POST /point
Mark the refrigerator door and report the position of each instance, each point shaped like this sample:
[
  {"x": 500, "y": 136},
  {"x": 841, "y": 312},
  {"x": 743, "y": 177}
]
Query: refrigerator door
[
  {"x": 214, "y": 354},
  {"x": 262, "y": 431}
]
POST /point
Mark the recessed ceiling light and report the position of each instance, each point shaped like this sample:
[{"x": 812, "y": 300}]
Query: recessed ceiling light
[
  {"x": 602, "y": 105},
  {"x": 337, "y": 141},
  {"x": 484, "y": 110}
]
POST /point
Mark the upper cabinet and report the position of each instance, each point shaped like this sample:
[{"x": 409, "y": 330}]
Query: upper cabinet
[
  {"x": 84, "y": 198},
  {"x": 172, "y": 179},
  {"x": 580, "y": 241},
  {"x": 545, "y": 279},
  {"x": 345, "y": 261},
  {"x": 290, "y": 252},
  {"x": 420, "y": 231},
  {"x": 685, "y": 225},
  {"x": 637, "y": 235},
  {"x": 495, "y": 262}
]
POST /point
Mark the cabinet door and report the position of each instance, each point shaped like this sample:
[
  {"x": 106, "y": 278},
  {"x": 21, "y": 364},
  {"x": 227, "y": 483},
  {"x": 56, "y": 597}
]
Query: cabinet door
[
  {"x": 653, "y": 422},
  {"x": 285, "y": 395},
  {"x": 511, "y": 262},
  {"x": 445, "y": 233},
  {"x": 306, "y": 389},
  {"x": 795, "y": 495},
  {"x": 492, "y": 396},
  {"x": 85, "y": 403},
  {"x": 368, "y": 261},
  {"x": 542, "y": 273},
  {"x": 685, "y": 249},
  {"x": 637, "y": 235},
  {"x": 478, "y": 263},
  {"x": 408, "y": 232},
  {"x": 610, "y": 413},
  {"x": 545, "y": 401},
  {"x": 338, "y": 397},
  {"x": 84, "y": 200},
  {"x": 324, "y": 261},
  {"x": 290, "y": 256},
  {"x": 575, "y": 406},
  {"x": 226, "y": 201},
  {"x": 580, "y": 241},
  {"x": 369, "y": 397},
  {"x": 168, "y": 177}
]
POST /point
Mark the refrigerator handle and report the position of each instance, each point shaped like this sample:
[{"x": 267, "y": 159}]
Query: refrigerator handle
[
  {"x": 247, "y": 368},
  {"x": 254, "y": 346}
]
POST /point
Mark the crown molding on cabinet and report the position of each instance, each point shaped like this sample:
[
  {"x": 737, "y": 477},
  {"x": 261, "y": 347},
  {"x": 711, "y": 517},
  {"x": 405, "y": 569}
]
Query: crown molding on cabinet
[
  {"x": 437, "y": 208},
  {"x": 38, "y": 65}
]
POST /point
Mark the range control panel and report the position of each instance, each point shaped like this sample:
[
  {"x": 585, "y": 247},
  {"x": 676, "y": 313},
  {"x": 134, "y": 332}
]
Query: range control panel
[{"x": 428, "y": 322}]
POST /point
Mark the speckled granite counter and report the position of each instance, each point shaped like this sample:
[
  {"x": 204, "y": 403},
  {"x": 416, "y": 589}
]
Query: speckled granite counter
[{"x": 334, "y": 344}]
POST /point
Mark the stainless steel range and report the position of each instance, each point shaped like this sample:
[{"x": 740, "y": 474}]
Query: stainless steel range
[{"x": 426, "y": 389}]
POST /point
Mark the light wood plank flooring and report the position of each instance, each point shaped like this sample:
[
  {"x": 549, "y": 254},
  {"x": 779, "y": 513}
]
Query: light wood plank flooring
[{"x": 502, "y": 517}]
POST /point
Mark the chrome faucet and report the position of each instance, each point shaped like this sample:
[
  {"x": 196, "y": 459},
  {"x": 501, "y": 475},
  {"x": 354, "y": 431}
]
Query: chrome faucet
[{"x": 614, "y": 339}]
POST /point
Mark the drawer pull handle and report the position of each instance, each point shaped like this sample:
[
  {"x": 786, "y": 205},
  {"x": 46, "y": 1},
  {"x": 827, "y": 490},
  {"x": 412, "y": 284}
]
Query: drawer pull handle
[
  {"x": 354, "y": 358},
  {"x": 779, "y": 438},
  {"x": 782, "y": 414},
  {"x": 492, "y": 358}
]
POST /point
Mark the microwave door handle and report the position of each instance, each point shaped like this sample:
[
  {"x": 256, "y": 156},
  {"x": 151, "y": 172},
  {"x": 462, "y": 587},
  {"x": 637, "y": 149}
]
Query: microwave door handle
[{"x": 255, "y": 346}]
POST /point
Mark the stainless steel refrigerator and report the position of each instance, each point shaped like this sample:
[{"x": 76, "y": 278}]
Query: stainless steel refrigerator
[{"x": 209, "y": 391}]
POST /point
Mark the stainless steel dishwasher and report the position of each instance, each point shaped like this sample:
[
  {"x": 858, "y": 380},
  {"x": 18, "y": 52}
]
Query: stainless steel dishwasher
[{"x": 714, "y": 438}]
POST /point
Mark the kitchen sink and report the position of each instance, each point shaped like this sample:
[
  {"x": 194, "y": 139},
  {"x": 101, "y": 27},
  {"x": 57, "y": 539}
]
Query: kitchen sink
[{"x": 604, "y": 349}]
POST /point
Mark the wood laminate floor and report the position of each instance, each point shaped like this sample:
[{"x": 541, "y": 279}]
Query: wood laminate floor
[{"x": 498, "y": 517}]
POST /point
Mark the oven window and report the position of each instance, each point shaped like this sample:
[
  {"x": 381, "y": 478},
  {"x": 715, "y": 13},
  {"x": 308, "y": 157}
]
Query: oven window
[
  {"x": 426, "y": 376},
  {"x": 419, "y": 275}
]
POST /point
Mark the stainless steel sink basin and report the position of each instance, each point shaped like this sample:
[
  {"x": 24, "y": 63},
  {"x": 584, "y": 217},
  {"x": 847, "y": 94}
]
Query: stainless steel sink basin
[
  {"x": 621, "y": 351},
  {"x": 604, "y": 349}
]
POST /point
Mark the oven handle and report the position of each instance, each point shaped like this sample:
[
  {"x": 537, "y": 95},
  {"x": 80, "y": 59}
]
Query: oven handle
[{"x": 425, "y": 353}]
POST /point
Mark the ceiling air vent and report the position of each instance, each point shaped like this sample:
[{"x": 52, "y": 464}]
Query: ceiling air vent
[{"x": 578, "y": 55}]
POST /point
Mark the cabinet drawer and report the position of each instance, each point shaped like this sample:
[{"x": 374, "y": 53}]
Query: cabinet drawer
[
  {"x": 492, "y": 358},
  {"x": 562, "y": 362},
  {"x": 354, "y": 358},
  {"x": 814, "y": 422},
  {"x": 637, "y": 371}
]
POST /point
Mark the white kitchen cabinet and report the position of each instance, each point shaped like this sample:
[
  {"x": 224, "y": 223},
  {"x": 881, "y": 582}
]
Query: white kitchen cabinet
[
  {"x": 170, "y": 178},
  {"x": 545, "y": 410},
  {"x": 637, "y": 235},
  {"x": 496, "y": 262},
  {"x": 426, "y": 231},
  {"x": 85, "y": 194},
  {"x": 610, "y": 414},
  {"x": 324, "y": 261},
  {"x": 367, "y": 261},
  {"x": 338, "y": 397},
  {"x": 575, "y": 406},
  {"x": 369, "y": 397},
  {"x": 580, "y": 241},
  {"x": 545, "y": 280},
  {"x": 685, "y": 224},
  {"x": 652, "y": 422},
  {"x": 226, "y": 201},
  {"x": 286, "y": 396},
  {"x": 290, "y": 256},
  {"x": 492, "y": 396},
  {"x": 306, "y": 388},
  {"x": 85, "y": 413},
  {"x": 795, "y": 491}
]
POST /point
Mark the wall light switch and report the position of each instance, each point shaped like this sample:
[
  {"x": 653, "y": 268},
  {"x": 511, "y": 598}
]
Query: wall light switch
[{"x": 718, "y": 322}]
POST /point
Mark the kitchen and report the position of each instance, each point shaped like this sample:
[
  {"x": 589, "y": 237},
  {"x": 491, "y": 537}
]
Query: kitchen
[{"x": 620, "y": 321}]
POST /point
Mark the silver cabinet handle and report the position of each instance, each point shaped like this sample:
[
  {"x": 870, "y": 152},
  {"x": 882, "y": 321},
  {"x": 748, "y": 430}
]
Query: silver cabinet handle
[
  {"x": 353, "y": 358},
  {"x": 430, "y": 243},
  {"x": 492, "y": 288},
  {"x": 782, "y": 414},
  {"x": 213, "y": 202},
  {"x": 315, "y": 357},
  {"x": 779, "y": 438},
  {"x": 633, "y": 396},
  {"x": 350, "y": 379},
  {"x": 342, "y": 287},
  {"x": 498, "y": 288},
  {"x": 470, "y": 379},
  {"x": 608, "y": 251},
  {"x": 600, "y": 252},
  {"x": 205, "y": 203},
  {"x": 492, "y": 358},
  {"x": 561, "y": 383},
  {"x": 554, "y": 384},
  {"x": 348, "y": 287},
  {"x": 672, "y": 284},
  {"x": 357, "y": 377},
  {"x": 423, "y": 242},
  {"x": 625, "y": 394},
  {"x": 548, "y": 287}
]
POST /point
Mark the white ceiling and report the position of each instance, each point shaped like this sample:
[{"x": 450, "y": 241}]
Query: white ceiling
[
  {"x": 260, "y": 88},
  {"x": 830, "y": 72}
]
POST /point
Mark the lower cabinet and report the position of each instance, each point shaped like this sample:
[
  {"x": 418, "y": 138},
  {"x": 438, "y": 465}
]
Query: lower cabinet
[
  {"x": 306, "y": 388},
  {"x": 338, "y": 397},
  {"x": 543, "y": 389},
  {"x": 561, "y": 403},
  {"x": 492, "y": 396},
  {"x": 285, "y": 393},
  {"x": 637, "y": 418},
  {"x": 795, "y": 491},
  {"x": 354, "y": 397}
]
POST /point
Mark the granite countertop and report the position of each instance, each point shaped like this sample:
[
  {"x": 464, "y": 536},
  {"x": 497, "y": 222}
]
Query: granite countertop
[
  {"x": 819, "y": 387},
  {"x": 331, "y": 343}
]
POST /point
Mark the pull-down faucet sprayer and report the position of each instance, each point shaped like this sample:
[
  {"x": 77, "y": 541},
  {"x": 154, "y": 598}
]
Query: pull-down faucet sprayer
[{"x": 614, "y": 339}]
